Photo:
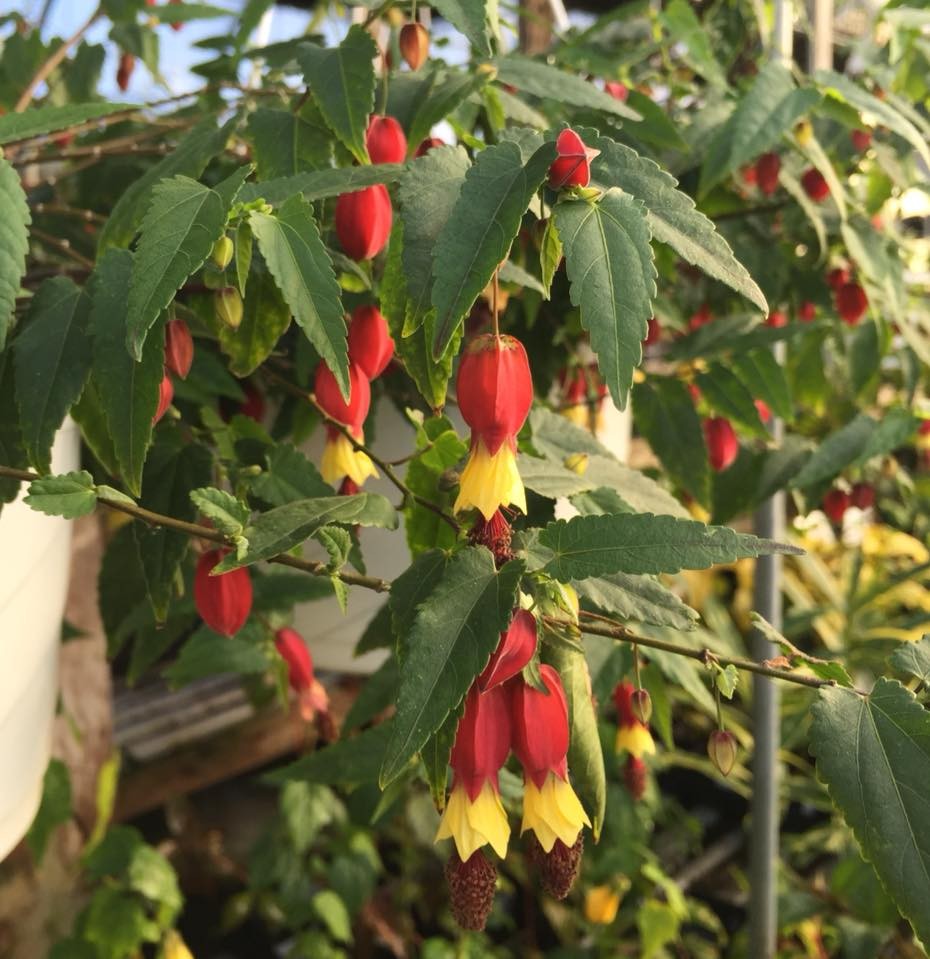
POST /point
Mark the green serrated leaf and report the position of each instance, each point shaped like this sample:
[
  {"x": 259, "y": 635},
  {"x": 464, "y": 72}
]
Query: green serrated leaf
[
  {"x": 725, "y": 392},
  {"x": 207, "y": 654},
  {"x": 455, "y": 631},
  {"x": 69, "y": 495},
  {"x": 411, "y": 589},
  {"x": 227, "y": 514},
  {"x": 130, "y": 394},
  {"x": 291, "y": 245},
  {"x": 764, "y": 377},
  {"x": 642, "y": 543},
  {"x": 51, "y": 357},
  {"x": 873, "y": 752},
  {"x": 289, "y": 476},
  {"x": 641, "y": 599},
  {"x": 285, "y": 143},
  {"x": 342, "y": 81},
  {"x": 320, "y": 184},
  {"x": 609, "y": 261},
  {"x": 14, "y": 242},
  {"x": 275, "y": 532},
  {"x": 47, "y": 119},
  {"x": 469, "y": 17},
  {"x": 913, "y": 658},
  {"x": 480, "y": 230},
  {"x": 673, "y": 217}
]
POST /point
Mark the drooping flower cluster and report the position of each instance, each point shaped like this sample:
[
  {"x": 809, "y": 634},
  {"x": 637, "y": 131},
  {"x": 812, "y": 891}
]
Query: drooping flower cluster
[
  {"x": 370, "y": 351},
  {"x": 633, "y": 736},
  {"x": 179, "y": 355},
  {"x": 311, "y": 695},
  {"x": 223, "y": 600},
  {"x": 503, "y": 713}
]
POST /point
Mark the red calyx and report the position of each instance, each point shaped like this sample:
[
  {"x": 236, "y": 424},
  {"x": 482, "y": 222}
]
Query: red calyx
[
  {"x": 722, "y": 444},
  {"x": 653, "y": 332},
  {"x": 427, "y": 145},
  {"x": 165, "y": 396},
  {"x": 700, "y": 318},
  {"x": 385, "y": 140},
  {"x": 619, "y": 91},
  {"x": 623, "y": 701},
  {"x": 807, "y": 312},
  {"x": 851, "y": 303},
  {"x": 179, "y": 348},
  {"x": 482, "y": 740},
  {"x": 862, "y": 496},
  {"x": 837, "y": 277},
  {"x": 495, "y": 534},
  {"x": 127, "y": 63},
  {"x": 861, "y": 139},
  {"x": 540, "y": 727},
  {"x": 514, "y": 651},
  {"x": 223, "y": 601},
  {"x": 572, "y": 165},
  {"x": 835, "y": 503},
  {"x": 765, "y": 414},
  {"x": 414, "y": 44},
  {"x": 776, "y": 319},
  {"x": 326, "y": 389},
  {"x": 370, "y": 343},
  {"x": 768, "y": 166},
  {"x": 815, "y": 186},
  {"x": 363, "y": 221},
  {"x": 494, "y": 388}
]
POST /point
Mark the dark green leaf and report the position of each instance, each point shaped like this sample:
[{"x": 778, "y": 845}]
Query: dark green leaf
[
  {"x": 348, "y": 762},
  {"x": 763, "y": 377},
  {"x": 342, "y": 81},
  {"x": 69, "y": 495},
  {"x": 836, "y": 452},
  {"x": 320, "y": 184},
  {"x": 48, "y": 119},
  {"x": 265, "y": 318},
  {"x": 469, "y": 17},
  {"x": 14, "y": 242},
  {"x": 609, "y": 261},
  {"x": 695, "y": 39},
  {"x": 52, "y": 358},
  {"x": 129, "y": 394},
  {"x": 54, "y": 808},
  {"x": 412, "y": 588},
  {"x": 478, "y": 234},
  {"x": 290, "y": 476},
  {"x": 913, "y": 658},
  {"x": 12, "y": 452},
  {"x": 375, "y": 696},
  {"x": 291, "y": 245},
  {"x": 639, "y": 598},
  {"x": 725, "y": 392},
  {"x": 642, "y": 543},
  {"x": 455, "y": 631},
  {"x": 873, "y": 752},
  {"x": 227, "y": 514},
  {"x": 207, "y": 653},
  {"x": 285, "y": 143},
  {"x": 425, "y": 528}
]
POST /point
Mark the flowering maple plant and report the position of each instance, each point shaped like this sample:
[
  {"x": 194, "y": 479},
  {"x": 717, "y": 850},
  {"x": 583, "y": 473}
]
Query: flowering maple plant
[{"x": 500, "y": 255}]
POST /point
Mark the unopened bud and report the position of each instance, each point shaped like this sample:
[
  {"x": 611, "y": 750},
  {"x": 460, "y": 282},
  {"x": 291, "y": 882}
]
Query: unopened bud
[
  {"x": 577, "y": 463},
  {"x": 414, "y": 44},
  {"x": 228, "y": 306},
  {"x": 804, "y": 133},
  {"x": 641, "y": 704},
  {"x": 471, "y": 889},
  {"x": 222, "y": 252},
  {"x": 448, "y": 480},
  {"x": 721, "y": 747}
]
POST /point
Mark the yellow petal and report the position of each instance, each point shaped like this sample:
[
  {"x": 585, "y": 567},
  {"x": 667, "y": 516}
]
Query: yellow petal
[
  {"x": 489, "y": 482},
  {"x": 635, "y": 739},
  {"x": 340, "y": 459},
  {"x": 474, "y": 824},
  {"x": 601, "y": 904},
  {"x": 552, "y": 812}
]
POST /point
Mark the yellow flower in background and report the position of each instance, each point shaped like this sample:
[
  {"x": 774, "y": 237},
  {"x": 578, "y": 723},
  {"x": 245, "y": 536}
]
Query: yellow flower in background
[
  {"x": 883, "y": 542},
  {"x": 175, "y": 947},
  {"x": 601, "y": 904}
]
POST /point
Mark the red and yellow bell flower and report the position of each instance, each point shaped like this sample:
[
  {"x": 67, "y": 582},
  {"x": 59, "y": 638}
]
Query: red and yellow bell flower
[
  {"x": 514, "y": 651},
  {"x": 311, "y": 695},
  {"x": 474, "y": 815},
  {"x": 495, "y": 393},
  {"x": 540, "y": 739},
  {"x": 340, "y": 458},
  {"x": 633, "y": 734}
]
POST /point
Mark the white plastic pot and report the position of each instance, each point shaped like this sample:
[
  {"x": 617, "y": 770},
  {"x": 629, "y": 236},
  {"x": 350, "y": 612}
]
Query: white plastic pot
[{"x": 36, "y": 557}]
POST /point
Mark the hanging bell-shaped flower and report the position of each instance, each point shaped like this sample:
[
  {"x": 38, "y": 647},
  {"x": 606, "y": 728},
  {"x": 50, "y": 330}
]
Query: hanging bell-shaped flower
[
  {"x": 223, "y": 601},
  {"x": 385, "y": 140},
  {"x": 179, "y": 348},
  {"x": 340, "y": 458},
  {"x": 363, "y": 221},
  {"x": 370, "y": 345}
]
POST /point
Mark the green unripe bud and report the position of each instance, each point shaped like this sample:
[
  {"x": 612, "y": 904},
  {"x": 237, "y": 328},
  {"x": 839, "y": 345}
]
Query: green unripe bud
[
  {"x": 213, "y": 279},
  {"x": 228, "y": 305},
  {"x": 641, "y": 704},
  {"x": 721, "y": 747},
  {"x": 222, "y": 252}
]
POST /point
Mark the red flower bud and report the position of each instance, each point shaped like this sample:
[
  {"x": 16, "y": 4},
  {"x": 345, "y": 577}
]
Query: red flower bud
[
  {"x": 127, "y": 63},
  {"x": 414, "y": 44},
  {"x": 471, "y": 889},
  {"x": 702, "y": 317},
  {"x": 370, "y": 343},
  {"x": 223, "y": 601},
  {"x": 861, "y": 139},
  {"x": 494, "y": 389},
  {"x": 807, "y": 312},
  {"x": 653, "y": 332},
  {"x": 363, "y": 221},
  {"x": 768, "y": 167},
  {"x": 635, "y": 772},
  {"x": 835, "y": 503},
  {"x": 351, "y": 414},
  {"x": 514, "y": 651},
  {"x": 851, "y": 303},
  {"x": 385, "y": 140},
  {"x": 721, "y": 747},
  {"x": 616, "y": 89},
  {"x": 765, "y": 414},
  {"x": 863, "y": 496},
  {"x": 837, "y": 277},
  {"x": 165, "y": 396},
  {"x": 815, "y": 186},
  {"x": 311, "y": 694},
  {"x": 482, "y": 740},
  {"x": 428, "y": 144},
  {"x": 722, "y": 444},
  {"x": 540, "y": 727},
  {"x": 776, "y": 319},
  {"x": 179, "y": 348},
  {"x": 572, "y": 165}
]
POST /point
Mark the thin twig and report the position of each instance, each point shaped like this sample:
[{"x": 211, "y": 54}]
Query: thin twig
[
  {"x": 62, "y": 209},
  {"x": 382, "y": 464},
  {"x": 214, "y": 536},
  {"x": 63, "y": 246},
  {"x": 49, "y": 65}
]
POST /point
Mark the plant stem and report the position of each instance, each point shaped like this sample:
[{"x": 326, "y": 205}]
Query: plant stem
[
  {"x": 63, "y": 246},
  {"x": 214, "y": 536},
  {"x": 382, "y": 464},
  {"x": 495, "y": 293},
  {"x": 49, "y": 65}
]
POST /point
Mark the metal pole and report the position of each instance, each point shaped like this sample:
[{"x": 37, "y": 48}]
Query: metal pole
[{"x": 769, "y": 523}]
